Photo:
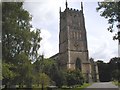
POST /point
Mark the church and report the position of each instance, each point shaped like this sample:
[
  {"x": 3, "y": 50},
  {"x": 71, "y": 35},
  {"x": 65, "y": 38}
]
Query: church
[{"x": 73, "y": 51}]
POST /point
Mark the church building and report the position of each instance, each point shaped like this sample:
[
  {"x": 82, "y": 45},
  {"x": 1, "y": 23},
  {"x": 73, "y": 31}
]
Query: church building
[{"x": 73, "y": 51}]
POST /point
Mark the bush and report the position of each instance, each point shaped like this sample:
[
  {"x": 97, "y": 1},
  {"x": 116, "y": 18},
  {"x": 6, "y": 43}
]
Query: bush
[{"x": 74, "y": 78}]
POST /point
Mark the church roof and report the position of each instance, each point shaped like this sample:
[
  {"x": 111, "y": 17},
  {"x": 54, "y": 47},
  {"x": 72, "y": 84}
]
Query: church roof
[{"x": 54, "y": 56}]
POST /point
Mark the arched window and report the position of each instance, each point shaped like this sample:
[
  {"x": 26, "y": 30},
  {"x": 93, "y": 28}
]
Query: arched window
[{"x": 78, "y": 64}]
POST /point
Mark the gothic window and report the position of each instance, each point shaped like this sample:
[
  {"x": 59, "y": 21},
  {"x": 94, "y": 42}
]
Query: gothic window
[{"x": 78, "y": 64}]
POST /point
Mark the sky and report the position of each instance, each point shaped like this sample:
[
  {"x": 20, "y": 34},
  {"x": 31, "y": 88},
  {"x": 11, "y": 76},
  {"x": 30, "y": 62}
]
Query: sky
[{"x": 45, "y": 16}]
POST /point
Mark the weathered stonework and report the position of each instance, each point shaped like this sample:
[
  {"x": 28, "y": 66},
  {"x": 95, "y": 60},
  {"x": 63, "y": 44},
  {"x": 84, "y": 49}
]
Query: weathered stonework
[{"x": 73, "y": 50}]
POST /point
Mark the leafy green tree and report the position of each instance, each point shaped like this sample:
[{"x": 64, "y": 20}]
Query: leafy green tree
[
  {"x": 70, "y": 79},
  {"x": 48, "y": 65},
  {"x": 74, "y": 78},
  {"x": 44, "y": 79},
  {"x": 37, "y": 70},
  {"x": 114, "y": 63},
  {"x": 8, "y": 74},
  {"x": 50, "y": 68},
  {"x": 25, "y": 70},
  {"x": 36, "y": 79},
  {"x": 116, "y": 75},
  {"x": 114, "y": 66},
  {"x": 111, "y": 11},
  {"x": 20, "y": 43},
  {"x": 57, "y": 75},
  {"x": 17, "y": 36},
  {"x": 0, "y": 69}
]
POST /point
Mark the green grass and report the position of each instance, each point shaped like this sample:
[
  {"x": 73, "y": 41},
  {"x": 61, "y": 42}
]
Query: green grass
[
  {"x": 76, "y": 87},
  {"x": 116, "y": 83},
  {"x": 85, "y": 85}
]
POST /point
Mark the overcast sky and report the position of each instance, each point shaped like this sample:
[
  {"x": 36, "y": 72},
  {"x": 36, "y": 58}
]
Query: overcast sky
[{"x": 46, "y": 17}]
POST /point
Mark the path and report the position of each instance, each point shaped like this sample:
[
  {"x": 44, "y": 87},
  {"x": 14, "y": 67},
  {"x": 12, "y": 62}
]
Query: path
[{"x": 102, "y": 86}]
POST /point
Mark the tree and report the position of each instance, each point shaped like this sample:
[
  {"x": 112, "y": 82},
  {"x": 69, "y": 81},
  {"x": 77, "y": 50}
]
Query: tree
[
  {"x": 17, "y": 36},
  {"x": 50, "y": 68},
  {"x": 45, "y": 80},
  {"x": 0, "y": 69},
  {"x": 114, "y": 66},
  {"x": 38, "y": 70},
  {"x": 20, "y": 43},
  {"x": 116, "y": 75},
  {"x": 8, "y": 74},
  {"x": 25, "y": 71},
  {"x": 74, "y": 78},
  {"x": 111, "y": 11},
  {"x": 57, "y": 75}
]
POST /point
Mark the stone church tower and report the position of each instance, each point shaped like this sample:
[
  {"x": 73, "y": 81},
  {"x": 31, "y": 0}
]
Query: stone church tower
[{"x": 73, "y": 51}]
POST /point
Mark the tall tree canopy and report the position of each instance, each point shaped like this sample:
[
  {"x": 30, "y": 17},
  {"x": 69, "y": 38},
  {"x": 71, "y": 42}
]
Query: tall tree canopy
[
  {"x": 20, "y": 44},
  {"x": 17, "y": 36},
  {"x": 111, "y": 11}
]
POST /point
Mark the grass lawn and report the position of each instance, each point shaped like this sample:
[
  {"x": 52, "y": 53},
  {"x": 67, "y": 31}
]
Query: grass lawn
[
  {"x": 80, "y": 87},
  {"x": 77, "y": 87},
  {"x": 85, "y": 85},
  {"x": 116, "y": 83}
]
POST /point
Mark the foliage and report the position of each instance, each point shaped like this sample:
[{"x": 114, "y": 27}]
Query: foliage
[
  {"x": 44, "y": 79},
  {"x": 17, "y": 36},
  {"x": 74, "y": 78},
  {"x": 50, "y": 68},
  {"x": 111, "y": 11},
  {"x": 20, "y": 44},
  {"x": 85, "y": 85},
  {"x": 58, "y": 76},
  {"x": 0, "y": 69},
  {"x": 116, "y": 75},
  {"x": 116, "y": 83},
  {"x": 41, "y": 68},
  {"x": 7, "y": 74},
  {"x": 24, "y": 67},
  {"x": 115, "y": 68}
]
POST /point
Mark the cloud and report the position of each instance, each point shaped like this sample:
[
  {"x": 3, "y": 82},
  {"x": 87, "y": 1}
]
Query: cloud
[
  {"x": 46, "y": 17},
  {"x": 47, "y": 47},
  {"x": 103, "y": 47},
  {"x": 45, "y": 44}
]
